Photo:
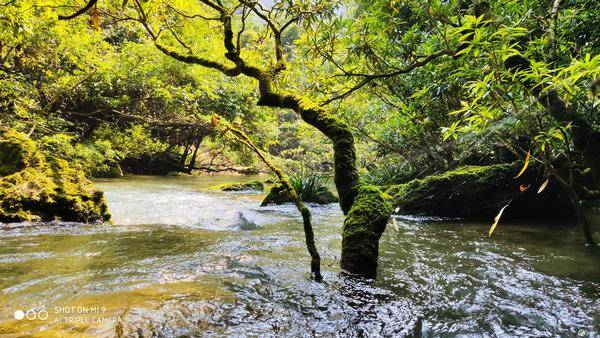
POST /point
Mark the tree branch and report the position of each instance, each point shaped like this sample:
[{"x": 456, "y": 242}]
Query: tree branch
[
  {"x": 84, "y": 9},
  {"x": 370, "y": 77}
]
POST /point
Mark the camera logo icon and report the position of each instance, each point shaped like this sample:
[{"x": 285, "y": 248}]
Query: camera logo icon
[
  {"x": 31, "y": 314},
  {"x": 19, "y": 315}
]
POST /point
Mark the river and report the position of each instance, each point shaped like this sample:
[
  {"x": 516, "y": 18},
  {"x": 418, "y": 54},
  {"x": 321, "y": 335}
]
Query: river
[{"x": 183, "y": 260}]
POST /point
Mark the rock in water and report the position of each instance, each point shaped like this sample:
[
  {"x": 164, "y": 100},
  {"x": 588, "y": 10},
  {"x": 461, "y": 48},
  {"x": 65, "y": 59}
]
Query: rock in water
[
  {"x": 38, "y": 187},
  {"x": 478, "y": 192},
  {"x": 240, "y": 186},
  {"x": 244, "y": 224},
  {"x": 278, "y": 195}
]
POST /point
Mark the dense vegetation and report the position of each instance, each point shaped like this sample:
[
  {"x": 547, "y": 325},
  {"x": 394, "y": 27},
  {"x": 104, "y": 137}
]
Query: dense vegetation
[{"x": 405, "y": 93}]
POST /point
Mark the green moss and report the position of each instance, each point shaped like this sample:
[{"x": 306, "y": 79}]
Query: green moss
[
  {"x": 17, "y": 151},
  {"x": 324, "y": 196},
  {"x": 240, "y": 186},
  {"x": 479, "y": 192},
  {"x": 23, "y": 191},
  {"x": 272, "y": 180},
  {"x": 363, "y": 227},
  {"x": 345, "y": 172},
  {"x": 45, "y": 188},
  {"x": 276, "y": 195},
  {"x": 463, "y": 191},
  {"x": 279, "y": 195}
]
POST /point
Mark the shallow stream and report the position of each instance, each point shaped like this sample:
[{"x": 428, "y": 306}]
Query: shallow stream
[{"x": 185, "y": 260}]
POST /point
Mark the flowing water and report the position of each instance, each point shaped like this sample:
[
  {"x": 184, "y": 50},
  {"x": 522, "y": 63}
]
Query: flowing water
[{"x": 183, "y": 260}]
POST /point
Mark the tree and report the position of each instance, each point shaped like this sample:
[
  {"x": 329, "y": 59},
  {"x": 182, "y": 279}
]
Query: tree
[
  {"x": 539, "y": 80},
  {"x": 366, "y": 211}
]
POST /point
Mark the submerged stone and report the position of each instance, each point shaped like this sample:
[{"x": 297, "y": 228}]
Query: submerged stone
[
  {"x": 243, "y": 223},
  {"x": 279, "y": 195},
  {"x": 240, "y": 186},
  {"x": 480, "y": 192},
  {"x": 17, "y": 152},
  {"x": 35, "y": 187}
]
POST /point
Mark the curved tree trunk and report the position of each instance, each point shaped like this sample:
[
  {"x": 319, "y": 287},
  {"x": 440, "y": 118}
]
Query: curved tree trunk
[{"x": 366, "y": 211}]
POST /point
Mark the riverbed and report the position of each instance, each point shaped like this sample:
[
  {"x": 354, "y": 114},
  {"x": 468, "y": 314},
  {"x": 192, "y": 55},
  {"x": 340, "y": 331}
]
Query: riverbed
[{"x": 184, "y": 260}]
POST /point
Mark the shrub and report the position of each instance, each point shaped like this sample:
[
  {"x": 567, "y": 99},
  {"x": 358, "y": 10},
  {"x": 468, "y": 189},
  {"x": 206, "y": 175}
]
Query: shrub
[{"x": 309, "y": 184}]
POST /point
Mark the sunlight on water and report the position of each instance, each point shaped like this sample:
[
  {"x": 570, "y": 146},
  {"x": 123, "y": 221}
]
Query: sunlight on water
[{"x": 185, "y": 260}]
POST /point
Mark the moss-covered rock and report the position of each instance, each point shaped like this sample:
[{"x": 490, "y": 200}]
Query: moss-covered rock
[
  {"x": 17, "y": 152},
  {"x": 240, "y": 186},
  {"x": 279, "y": 195},
  {"x": 479, "y": 192},
  {"x": 272, "y": 180},
  {"x": 34, "y": 187}
]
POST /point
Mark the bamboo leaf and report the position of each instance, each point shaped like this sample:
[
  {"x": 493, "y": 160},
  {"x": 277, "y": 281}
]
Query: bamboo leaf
[
  {"x": 496, "y": 219},
  {"x": 395, "y": 224},
  {"x": 543, "y": 186},
  {"x": 525, "y": 165},
  {"x": 214, "y": 120}
]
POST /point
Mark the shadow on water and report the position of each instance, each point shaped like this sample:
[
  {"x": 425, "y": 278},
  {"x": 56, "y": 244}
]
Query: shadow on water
[{"x": 185, "y": 260}]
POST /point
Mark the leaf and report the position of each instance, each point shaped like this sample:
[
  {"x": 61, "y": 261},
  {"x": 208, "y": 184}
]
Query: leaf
[
  {"x": 543, "y": 186},
  {"x": 95, "y": 19},
  {"x": 525, "y": 165},
  {"x": 224, "y": 131},
  {"x": 522, "y": 187},
  {"x": 496, "y": 219},
  {"x": 395, "y": 224},
  {"x": 214, "y": 120}
]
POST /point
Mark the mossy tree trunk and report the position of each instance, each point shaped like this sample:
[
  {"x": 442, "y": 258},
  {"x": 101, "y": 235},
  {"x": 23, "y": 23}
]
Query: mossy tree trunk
[{"x": 366, "y": 211}]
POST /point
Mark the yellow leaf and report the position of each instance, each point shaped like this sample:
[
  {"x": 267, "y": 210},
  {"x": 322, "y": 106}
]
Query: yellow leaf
[
  {"x": 95, "y": 19},
  {"x": 543, "y": 186},
  {"x": 522, "y": 187},
  {"x": 214, "y": 120},
  {"x": 525, "y": 165},
  {"x": 496, "y": 220},
  {"x": 395, "y": 224}
]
